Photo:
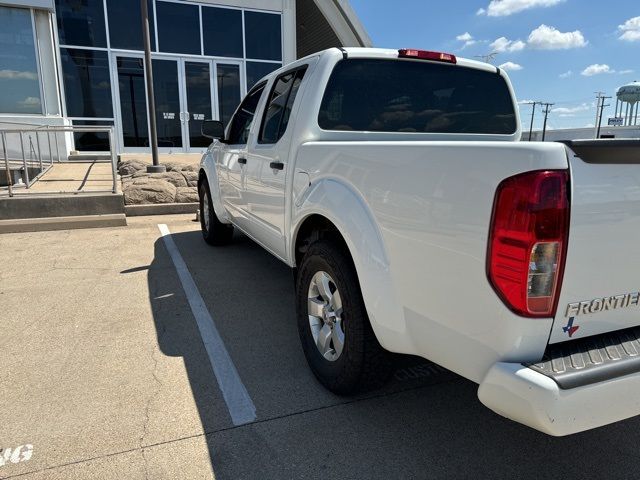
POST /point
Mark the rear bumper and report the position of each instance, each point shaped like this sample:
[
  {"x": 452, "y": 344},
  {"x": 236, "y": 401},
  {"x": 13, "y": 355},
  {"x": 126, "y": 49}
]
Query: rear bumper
[{"x": 533, "y": 399}]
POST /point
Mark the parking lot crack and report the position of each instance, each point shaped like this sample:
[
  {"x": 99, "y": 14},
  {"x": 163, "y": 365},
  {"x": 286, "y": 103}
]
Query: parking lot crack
[{"x": 150, "y": 399}]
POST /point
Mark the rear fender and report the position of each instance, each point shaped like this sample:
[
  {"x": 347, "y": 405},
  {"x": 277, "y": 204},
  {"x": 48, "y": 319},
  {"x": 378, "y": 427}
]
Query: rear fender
[{"x": 345, "y": 208}]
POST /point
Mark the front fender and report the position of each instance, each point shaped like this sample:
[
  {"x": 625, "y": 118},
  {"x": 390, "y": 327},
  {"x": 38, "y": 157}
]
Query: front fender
[
  {"x": 348, "y": 211},
  {"x": 208, "y": 167}
]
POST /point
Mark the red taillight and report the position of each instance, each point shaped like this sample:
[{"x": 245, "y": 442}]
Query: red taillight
[
  {"x": 425, "y": 55},
  {"x": 528, "y": 241}
]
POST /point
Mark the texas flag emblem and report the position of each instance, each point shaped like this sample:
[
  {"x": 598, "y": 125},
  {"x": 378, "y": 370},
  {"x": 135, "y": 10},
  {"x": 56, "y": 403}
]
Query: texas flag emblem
[{"x": 570, "y": 329}]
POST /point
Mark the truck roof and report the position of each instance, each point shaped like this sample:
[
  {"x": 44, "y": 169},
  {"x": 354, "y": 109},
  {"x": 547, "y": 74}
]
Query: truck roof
[{"x": 388, "y": 53}]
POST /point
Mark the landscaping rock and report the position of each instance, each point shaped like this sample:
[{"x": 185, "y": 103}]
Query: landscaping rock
[
  {"x": 173, "y": 177},
  {"x": 129, "y": 167},
  {"x": 148, "y": 190},
  {"x": 190, "y": 177},
  {"x": 186, "y": 195}
]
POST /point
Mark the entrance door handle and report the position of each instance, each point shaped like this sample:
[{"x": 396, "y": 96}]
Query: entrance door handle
[
  {"x": 242, "y": 161},
  {"x": 277, "y": 165}
]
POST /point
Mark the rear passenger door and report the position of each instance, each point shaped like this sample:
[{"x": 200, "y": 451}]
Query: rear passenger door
[{"x": 267, "y": 159}]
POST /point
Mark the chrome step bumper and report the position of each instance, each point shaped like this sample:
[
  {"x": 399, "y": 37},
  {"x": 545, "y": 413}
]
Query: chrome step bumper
[
  {"x": 592, "y": 360},
  {"x": 579, "y": 386}
]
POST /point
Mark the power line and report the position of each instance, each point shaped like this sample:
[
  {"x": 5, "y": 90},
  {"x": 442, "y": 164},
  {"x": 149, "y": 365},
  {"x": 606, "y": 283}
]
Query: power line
[{"x": 488, "y": 58}]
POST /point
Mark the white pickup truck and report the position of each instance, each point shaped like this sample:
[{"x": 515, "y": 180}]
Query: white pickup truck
[{"x": 395, "y": 185}]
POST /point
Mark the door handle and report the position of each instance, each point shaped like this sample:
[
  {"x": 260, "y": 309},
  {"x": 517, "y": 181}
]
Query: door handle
[
  {"x": 242, "y": 161},
  {"x": 277, "y": 165}
]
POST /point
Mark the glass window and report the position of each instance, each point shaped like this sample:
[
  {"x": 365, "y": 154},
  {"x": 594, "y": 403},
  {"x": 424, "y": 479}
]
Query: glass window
[
  {"x": 91, "y": 141},
  {"x": 19, "y": 83},
  {"x": 241, "y": 123},
  {"x": 86, "y": 83},
  {"x": 415, "y": 96},
  {"x": 263, "y": 33},
  {"x": 125, "y": 24},
  {"x": 222, "y": 32},
  {"x": 257, "y": 70},
  {"x": 81, "y": 22},
  {"x": 178, "y": 27},
  {"x": 133, "y": 102},
  {"x": 276, "y": 117},
  {"x": 228, "y": 91}
]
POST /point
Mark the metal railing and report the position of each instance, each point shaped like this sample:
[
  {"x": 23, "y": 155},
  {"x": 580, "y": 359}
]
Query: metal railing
[{"x": 43, "y": 161}]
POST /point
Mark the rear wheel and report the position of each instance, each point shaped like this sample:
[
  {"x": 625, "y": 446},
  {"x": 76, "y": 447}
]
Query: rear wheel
[
  {"x": 214, "y": 231},
  {"x": 334, "y": 328}
]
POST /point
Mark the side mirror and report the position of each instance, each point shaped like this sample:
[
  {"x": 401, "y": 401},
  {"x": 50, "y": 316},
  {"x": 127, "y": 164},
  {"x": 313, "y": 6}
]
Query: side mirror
[{"x": 213, "y": 129}]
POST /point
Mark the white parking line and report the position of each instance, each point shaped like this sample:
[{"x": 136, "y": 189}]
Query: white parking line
[{"x": 239, "y": 403}]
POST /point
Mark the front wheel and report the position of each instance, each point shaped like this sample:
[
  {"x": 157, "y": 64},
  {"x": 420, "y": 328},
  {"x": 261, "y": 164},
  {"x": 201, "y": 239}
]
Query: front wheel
[
  {"x": 334, "y": 328},
  {"x": 214, "y": 231}
]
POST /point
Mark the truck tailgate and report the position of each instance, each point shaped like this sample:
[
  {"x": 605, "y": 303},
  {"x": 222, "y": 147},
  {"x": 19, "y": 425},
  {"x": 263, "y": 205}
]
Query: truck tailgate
[{"x": 600, "y": 290}]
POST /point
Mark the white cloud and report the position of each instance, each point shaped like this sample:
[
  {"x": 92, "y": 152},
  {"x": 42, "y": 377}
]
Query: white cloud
[
  {"x": 503, "y": 8},
  {"x": 524, "y": 102},
  {"x": 630, "y": 30},
  {"x": 510, "y": 67},
  {"x": 467, "y": 38},
  {"x": 503, "y": 44},
  {"x": 566, "y": 74},
  {"x": 29, "y": 101},
  {"x": 571, "y": 111},
  {"x": 596, "y": 69},
  {"x": 550, "y": 38},
  {"x": 625, "y": 72},
  {"x": 18, "y": 75}
]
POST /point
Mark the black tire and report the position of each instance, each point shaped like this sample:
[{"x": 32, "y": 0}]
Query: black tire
[
  {"x": 214, "y": 231},
  {"x": 363, "y": 363}
]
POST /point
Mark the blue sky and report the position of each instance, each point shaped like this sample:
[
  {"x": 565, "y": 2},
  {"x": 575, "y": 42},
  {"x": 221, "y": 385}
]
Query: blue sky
[{"x": 559, "y": 51}]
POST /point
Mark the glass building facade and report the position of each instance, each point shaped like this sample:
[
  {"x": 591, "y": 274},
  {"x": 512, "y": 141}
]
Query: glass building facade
[
  {"x": 81, "y": 62},
  {"x": 204, "y": 59}
]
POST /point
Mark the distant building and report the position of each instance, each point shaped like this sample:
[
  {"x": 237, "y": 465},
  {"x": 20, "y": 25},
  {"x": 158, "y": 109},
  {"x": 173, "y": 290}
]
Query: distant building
[
  {"x": 80, "y": 62},
  {"x": 583, "y": 133}
]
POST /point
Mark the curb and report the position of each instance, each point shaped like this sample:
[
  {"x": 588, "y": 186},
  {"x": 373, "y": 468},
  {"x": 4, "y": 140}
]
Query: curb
[
  {"x": 62, "y": 223},
  {"x": 160, "y": 209}
]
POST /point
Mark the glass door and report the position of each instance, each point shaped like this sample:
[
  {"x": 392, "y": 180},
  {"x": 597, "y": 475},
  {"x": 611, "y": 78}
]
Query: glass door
[
  {"x": 170, "y": 114},
  {"x": 187, "y": 91},
  {"x": 198, "y": 99}
]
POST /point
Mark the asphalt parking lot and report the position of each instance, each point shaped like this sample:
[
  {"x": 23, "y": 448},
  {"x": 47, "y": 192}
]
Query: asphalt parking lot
[{"x": 104, "y": 375}]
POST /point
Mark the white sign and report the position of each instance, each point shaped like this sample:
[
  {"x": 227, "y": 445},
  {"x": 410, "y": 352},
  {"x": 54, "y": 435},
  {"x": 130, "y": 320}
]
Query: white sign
[{"x": 616, "y": 121}]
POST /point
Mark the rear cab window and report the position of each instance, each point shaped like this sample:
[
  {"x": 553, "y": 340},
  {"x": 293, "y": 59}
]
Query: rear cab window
[{"x": 406, "y": 96}]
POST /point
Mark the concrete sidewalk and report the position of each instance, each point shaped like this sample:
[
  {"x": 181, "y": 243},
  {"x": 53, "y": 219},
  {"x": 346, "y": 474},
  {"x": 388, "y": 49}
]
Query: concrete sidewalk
[{"x": 77, "y": 177}]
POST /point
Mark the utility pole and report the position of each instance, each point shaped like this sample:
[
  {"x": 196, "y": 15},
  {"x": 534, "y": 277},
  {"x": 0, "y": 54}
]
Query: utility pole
[
  {"x": 151, "y": 103},
  {"x": 533, "y": 113},
  {"x": 547, "y": 109},
  {"x": 598, "y": 95},
  {"x": 599, "y": 112}
]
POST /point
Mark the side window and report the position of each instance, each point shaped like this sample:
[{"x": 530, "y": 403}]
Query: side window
[
  {"x": 242, "y": 120},
  {"x": 278, "y": 112}
]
